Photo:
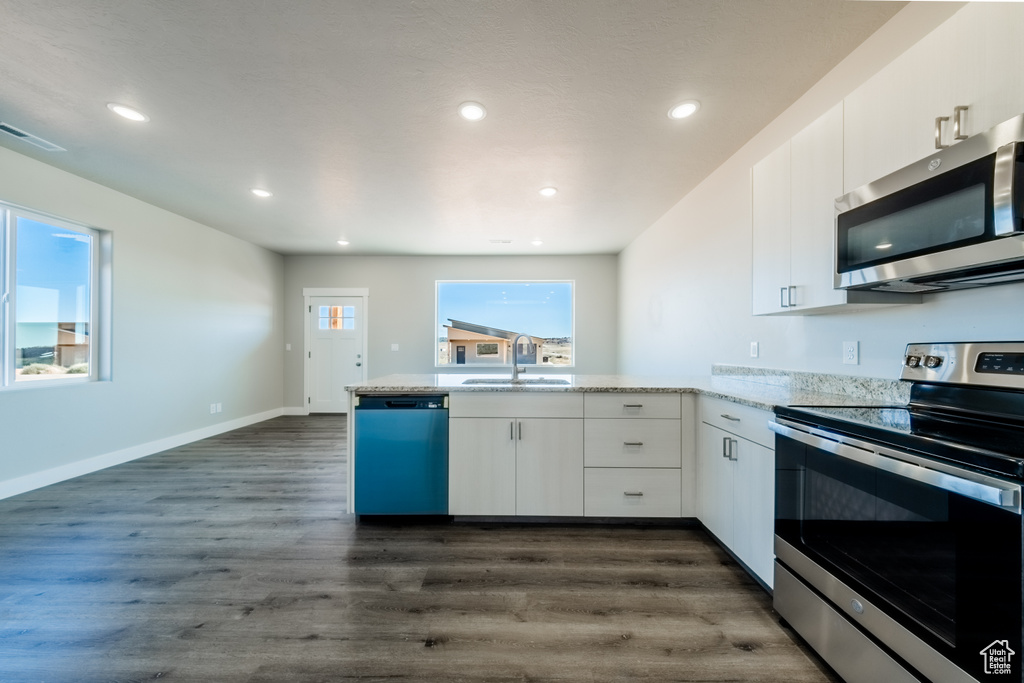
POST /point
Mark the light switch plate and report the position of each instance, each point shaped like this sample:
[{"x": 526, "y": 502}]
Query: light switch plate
[
  {"x": 753, "y": 349},
  {"x": 394, "y": 347},
  {"x": 851, "y": 353}
]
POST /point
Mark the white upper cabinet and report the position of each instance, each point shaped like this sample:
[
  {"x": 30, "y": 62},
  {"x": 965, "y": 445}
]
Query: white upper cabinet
[
  {"x": 793, "y": 225},
  {"x": 770, "y": 205},
  {"x": 817, "y": 179},
  {"x": 971, "y": 60}
]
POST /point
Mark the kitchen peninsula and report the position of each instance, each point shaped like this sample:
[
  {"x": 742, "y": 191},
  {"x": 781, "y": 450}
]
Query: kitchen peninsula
[{"x": 619, "y": 447}]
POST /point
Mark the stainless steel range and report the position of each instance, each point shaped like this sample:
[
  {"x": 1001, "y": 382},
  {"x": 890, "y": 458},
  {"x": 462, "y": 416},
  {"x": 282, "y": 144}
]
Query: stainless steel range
[{"x": 898, "y": 532}]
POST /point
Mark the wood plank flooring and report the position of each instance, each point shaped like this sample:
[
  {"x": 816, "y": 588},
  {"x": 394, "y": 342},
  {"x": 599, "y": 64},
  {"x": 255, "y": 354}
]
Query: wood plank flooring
[{"x": 230, "y": 559}]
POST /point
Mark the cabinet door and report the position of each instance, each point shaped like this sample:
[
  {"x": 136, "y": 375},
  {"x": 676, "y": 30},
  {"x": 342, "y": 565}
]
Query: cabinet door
[
  {"x": 549, "y": 467},
  {"x": 754, "y": 522},
  {"x": 817, "y": 177},
  {"x": 716, "y": 483},
  {"x": 481, "y": 466},
  {"x": 770, "y": 226}
]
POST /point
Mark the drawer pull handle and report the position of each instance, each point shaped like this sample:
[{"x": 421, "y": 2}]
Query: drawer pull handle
[
  {"x": 632, "y": 443},
  {"x": 632, "y": 405},
  {"x": 730, "y": 417},
  {"x": 634, "y": 494}
]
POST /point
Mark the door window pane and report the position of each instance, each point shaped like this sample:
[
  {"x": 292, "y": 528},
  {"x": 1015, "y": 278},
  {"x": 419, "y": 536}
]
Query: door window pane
[
  {"x": 337, "y": 317},
  {"x": 53, "y": 301}
]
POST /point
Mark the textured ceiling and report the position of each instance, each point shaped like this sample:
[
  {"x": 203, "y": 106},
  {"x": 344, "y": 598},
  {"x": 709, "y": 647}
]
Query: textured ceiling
[{"x": 346, "y": 109}]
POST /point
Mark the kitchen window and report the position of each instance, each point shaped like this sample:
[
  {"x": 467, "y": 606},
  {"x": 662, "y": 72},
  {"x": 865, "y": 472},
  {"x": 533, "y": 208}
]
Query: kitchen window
[
  {"x": 54, "y": 292},
  {"x": 477, "y": 321}
]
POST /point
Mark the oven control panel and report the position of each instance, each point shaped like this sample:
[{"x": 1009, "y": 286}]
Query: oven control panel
[{"x": 994, "y": 364}]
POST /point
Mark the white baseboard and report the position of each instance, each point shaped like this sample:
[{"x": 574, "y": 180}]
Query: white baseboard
[
  {"x": 293, "y": 410},
  {"x": 36, "y": 480}
]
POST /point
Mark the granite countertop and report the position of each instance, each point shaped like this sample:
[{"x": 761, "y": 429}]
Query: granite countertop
[{"x": 733, "y": 387}]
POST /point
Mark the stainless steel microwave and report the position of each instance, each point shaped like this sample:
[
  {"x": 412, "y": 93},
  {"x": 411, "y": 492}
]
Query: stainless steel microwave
[{"x": 950, "y": 221}]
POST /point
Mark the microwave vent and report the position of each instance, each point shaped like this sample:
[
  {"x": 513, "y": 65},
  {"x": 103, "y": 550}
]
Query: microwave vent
[
  {"x": 906, "y": 287},
  {"x": 29, "y": 138}
]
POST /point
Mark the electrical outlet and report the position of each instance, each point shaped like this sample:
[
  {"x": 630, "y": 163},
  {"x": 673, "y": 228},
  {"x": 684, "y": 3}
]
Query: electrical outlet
[
  {"x": 213, "y": 408},
  {"x": 753, "y": 349},
  {"x": 287, "y": 347},
  {"x": 851, "y": 353},
  {"x": 219, "y": 407},
  {"x": 394, "y": 347}
]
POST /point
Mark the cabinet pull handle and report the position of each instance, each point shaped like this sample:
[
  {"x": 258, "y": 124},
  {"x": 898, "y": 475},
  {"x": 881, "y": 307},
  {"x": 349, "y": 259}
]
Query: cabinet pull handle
[
  {"x": 725, "y": 448},
  {"x": 512, "y": 430},
  {"x": 959, "y": 127},
  {"x": 635, "y": 494},
  {"x": 733, "y": 443},
  {"x": 730, "y": 417},
  {"x": 632, "y": 405},
  {"x": 784, "y": 297},
  {"x": 790, "y": 296},
  {"x": 632, "y": 443},
  {"x": 520, "y": 431},
  {"x": 938, "y": 132}
]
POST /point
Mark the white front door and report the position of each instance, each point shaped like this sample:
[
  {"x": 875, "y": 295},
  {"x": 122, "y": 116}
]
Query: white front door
[{"x": 335, "y": 351}]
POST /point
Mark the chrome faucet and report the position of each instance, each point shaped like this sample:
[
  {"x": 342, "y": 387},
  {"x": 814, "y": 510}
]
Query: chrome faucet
[{"x": 515, "y": 356}]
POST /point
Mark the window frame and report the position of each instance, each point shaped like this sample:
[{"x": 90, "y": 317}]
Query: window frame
[
  {"x": 99, "y": 298},
  {"x": 451, "y": 366}
]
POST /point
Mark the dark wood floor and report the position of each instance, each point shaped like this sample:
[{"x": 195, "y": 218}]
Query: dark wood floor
[{"x": 230, "y": 559}]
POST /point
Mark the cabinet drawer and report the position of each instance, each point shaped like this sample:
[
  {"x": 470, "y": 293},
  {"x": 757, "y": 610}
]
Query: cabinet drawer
[
  {"x": 743, "y": 421},
  {"x": 634, "y": 405},
  {"x": 515, "y": 404},
  {"x": 631, "y": 443},
  {"x": 631, "y": 492}
]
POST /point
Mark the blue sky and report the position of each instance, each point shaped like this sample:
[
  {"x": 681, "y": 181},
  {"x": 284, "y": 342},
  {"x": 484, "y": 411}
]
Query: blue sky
[
  {"x": 53, "y": 263},
  {"x": 541, "y": 309}
]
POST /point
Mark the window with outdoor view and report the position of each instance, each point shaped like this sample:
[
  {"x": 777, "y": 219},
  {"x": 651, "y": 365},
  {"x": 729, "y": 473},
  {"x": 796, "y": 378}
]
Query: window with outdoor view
[
  {"x": 50, "y": 293},
  {"x": 477, "y": 323}
]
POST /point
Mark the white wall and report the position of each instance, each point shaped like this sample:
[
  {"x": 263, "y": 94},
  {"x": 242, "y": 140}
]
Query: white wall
[
  {"x": 197, "y": 319},
  {"x": 401, "y": 305},
  {"x": 687, "y": 278}
]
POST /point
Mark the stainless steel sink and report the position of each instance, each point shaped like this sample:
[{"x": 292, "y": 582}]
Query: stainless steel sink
[{"x": 536, "y": 381}]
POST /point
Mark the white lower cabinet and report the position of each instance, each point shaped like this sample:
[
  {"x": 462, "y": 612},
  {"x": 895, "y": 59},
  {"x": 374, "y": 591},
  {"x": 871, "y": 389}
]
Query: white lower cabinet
[
  {"x": 513, "y": 455},
  {"x": 632, "y": 492},
  {"x": 737, "y": 482}
]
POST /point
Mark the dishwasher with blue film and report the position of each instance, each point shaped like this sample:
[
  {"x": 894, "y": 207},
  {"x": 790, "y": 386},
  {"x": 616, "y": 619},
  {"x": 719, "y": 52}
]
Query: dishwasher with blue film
[{"x": 401, "y": 455}]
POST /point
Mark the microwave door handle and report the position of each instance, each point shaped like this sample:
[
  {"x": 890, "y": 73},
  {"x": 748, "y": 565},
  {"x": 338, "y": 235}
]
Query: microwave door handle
[
  {"x": 989, "y": 492},
  {"x": 1002, "y": 190}
]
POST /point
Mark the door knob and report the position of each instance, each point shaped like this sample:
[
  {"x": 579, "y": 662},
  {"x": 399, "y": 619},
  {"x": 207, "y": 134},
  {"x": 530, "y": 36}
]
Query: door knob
[{"x": 359, "y": 365}]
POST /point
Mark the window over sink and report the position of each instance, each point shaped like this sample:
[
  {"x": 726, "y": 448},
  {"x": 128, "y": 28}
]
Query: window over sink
[{"x": 477, "y": 322}]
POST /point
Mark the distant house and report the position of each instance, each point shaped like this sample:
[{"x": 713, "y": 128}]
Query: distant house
[{"x": 471, "y": 344}]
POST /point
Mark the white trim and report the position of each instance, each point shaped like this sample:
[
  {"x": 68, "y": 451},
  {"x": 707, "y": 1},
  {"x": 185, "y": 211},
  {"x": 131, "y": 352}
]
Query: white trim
[
  {"x": 291, "y": 410},
  {"x": 309, "y": 292},
  {"x": 36, "y": 480}
]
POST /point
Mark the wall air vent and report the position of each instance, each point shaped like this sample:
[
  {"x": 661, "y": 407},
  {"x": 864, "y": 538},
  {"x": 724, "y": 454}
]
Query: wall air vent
[{"x": 29, "y": 138}]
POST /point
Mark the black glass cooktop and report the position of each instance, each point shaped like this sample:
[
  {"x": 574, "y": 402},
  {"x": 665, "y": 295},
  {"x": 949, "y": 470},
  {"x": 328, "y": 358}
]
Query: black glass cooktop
[{"x": 979, "y": 441}]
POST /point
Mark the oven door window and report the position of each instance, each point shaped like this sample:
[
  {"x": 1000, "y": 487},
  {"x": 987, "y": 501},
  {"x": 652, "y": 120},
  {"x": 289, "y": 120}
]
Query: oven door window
[{"x": 945, "y": 566}]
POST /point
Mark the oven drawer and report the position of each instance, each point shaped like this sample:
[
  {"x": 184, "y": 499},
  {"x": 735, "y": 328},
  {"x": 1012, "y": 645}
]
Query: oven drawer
[
  {"x": 631, "y": 492},
  {"x": 744, "y": 421},
  {"x": 632, "y": 443}
]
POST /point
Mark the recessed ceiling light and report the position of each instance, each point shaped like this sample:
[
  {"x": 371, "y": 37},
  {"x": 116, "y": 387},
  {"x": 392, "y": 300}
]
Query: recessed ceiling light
[
  {"x": 343, "y": 243},
  {"x": 127, "y": 112},
  {"x": 537, "y": 243},
  {"x": 261, "y": 193},
  {"x": 884, "y": 245},
  {"x": 684, "y": 109},
  {"x": 549, "y": 191},
  {"x": 472, "y": 111}
]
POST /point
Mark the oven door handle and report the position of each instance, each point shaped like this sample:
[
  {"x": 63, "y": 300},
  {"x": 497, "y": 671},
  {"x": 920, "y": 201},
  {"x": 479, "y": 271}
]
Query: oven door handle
[{"x": 975, "y": 486}]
